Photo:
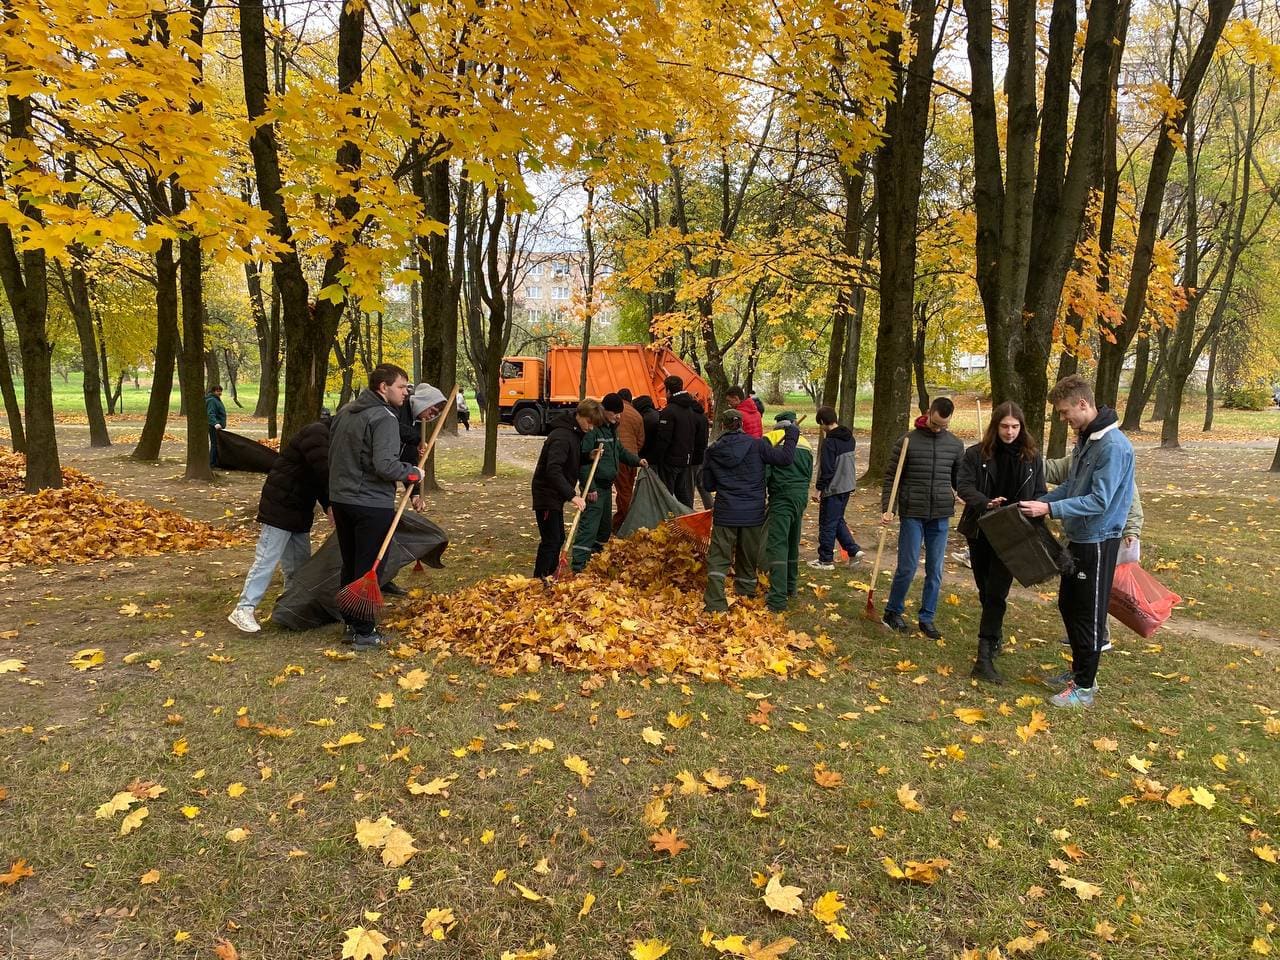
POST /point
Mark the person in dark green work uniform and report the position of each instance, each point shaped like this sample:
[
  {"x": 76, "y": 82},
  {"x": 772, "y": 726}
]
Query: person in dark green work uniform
[
  {"x": 596, "y": 526},
  {"x": 788, "y": 496}
]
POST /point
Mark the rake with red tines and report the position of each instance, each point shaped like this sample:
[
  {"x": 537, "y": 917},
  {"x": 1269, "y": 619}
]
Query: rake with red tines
[
  {"x": 694, "y": 527},
  {"x": 870, "y": 611},
  {"x": 564, "y": 571},
  {"x": 362, "y": 599}
]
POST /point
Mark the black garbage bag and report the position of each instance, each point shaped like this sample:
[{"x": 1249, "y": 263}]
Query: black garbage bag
[
  {"x": 311, "y": 599},
  {"x": 236, "y": 452},
  {"x": 651, "y": 504},
  {"x": 1030, "y": 550}
]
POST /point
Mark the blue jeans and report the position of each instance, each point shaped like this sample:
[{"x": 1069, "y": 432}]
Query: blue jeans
[
  {"x": 276, "y": 547},
  {"x": 911, "y": 530},
  {"x": 831, "y": 527}
]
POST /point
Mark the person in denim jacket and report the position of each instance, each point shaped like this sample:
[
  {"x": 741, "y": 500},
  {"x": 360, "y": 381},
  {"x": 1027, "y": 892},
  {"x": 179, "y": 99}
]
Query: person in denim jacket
[{"x": 1093, "y": 505}]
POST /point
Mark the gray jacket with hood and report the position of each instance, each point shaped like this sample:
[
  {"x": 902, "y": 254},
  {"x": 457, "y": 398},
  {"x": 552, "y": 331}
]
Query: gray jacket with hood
[{"x": 364, "y": 453}]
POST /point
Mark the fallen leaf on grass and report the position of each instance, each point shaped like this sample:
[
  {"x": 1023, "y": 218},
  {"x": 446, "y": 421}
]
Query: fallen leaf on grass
[
  {"x": 237, "y": 835},
  {"x": 1081, "y": 888},
  {"x": 827, "y": 906},
  {"x": 575, "y": 764},
  {"x": 527, "y": 893},
  {"x": 438, "y": 922},
  {"x": 1105, "y": 745},
  {"x": 150, "y": 877},
  {"x": 133, "y": 821},
  {"x": 587, "y": 903},
  {"x": 907, "y": 798},
  {"x": 362, "y": 944},
  {"x": 1025, "y": 944},
  {"x": 926, "y": 872},
  {"x": 827, "y": 779},
  {"x": 88, "y": 657},
  {"x": 969, "y": 715},
  {"x": 346, "y": 740},
  {"x": 414, "y": 680},
  {"x": 781, "y": 898},
  {"x": 649, "y": 949},
  {"x": 1139, "y": 764},
  {"x": 652, "y": 737},
  {"x": 667, "y": 841},
  {"x": 17, "y": 870},
  {"x": 1266, "y": 853},
  {"x": 1203, "y": 797},
  {"x": 1037, "y": 724},
  {"x": 655, "y": 813},
  {"x": 225, "y": 950}
]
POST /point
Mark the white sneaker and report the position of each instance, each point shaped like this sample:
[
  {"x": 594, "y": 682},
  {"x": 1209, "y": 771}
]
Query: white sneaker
[
  {"x": 857, "y": 556},
  {"x": 819, "y": 565},
  {"x": 242, "y": 619}
]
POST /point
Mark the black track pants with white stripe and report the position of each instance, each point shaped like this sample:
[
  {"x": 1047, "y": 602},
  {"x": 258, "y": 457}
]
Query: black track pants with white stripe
[{"x": 1083, "y": 598}]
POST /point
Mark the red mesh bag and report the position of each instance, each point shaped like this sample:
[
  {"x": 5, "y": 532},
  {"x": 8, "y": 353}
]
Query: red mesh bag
[{"x": 1140, "y": 601}]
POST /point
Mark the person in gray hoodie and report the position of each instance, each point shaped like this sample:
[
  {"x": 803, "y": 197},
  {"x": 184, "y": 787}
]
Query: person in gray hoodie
[{"x": 365, "y": 472}]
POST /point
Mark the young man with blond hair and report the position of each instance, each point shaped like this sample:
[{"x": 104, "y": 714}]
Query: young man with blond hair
[{"x": 1093, "y": 504}]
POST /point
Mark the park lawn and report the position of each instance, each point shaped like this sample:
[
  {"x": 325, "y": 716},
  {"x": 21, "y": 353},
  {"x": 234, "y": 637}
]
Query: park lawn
[{"x": 998, "y": 802}]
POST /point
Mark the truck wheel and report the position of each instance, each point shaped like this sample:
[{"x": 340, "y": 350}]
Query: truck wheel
[{"x": 528, "y": 422}]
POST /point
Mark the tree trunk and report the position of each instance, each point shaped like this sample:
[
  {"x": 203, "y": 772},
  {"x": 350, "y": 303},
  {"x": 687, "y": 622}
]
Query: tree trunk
[
  {"x": 1136, "y": 402},
  {"x": 415, "y": 332},
  {"x": 498, "y": 326},
  {"x": 17, "y": 439},
  {"x": 162, "y": 369},
  {"x": 1208, "y": 386},
  {"x": 194, "y": 357},
  {"x": 26, "y": 283},
  {"x": 308, "y": 331},
  {"x": 272, "y": 383},
  {"x": 262, "y": 332},
  {"x": 75, "y": 290},
  {"x": 850, "y": 235},
  {"x": 917, "y": 360},
  {"x": 112, "y": 399},
  {"x": 1111, "y": 355},
  {"x": 1275, "y": 461},
  {"x": 898, "y": 165}
]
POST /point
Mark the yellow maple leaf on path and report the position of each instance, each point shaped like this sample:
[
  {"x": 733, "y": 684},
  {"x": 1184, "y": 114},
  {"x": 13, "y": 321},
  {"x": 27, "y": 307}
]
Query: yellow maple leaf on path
[
  {"x": 649, "y": 949},
  {"x": 362, "y": 944},
  {"x": 781, "y": 898}
]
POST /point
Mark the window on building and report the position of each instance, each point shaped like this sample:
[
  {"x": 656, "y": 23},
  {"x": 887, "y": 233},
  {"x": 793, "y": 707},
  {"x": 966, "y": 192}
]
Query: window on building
[
  {"x": 559, "y": 293},
  {"x": 560, "y": 270},
  {"x": 535, "y": 270},
  {"x": 533, "y": 293}
]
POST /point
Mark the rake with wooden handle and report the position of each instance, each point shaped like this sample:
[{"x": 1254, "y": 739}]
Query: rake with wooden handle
[
  {"x": 362, "y": 599},
  {"x": 870, "y": 611},
  {"x": 422, "y": 492},
  {"x": 563, "y": 571}
]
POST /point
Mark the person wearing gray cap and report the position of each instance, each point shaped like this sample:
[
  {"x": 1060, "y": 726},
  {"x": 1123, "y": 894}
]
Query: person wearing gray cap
[{"x": 734, "y": 470}]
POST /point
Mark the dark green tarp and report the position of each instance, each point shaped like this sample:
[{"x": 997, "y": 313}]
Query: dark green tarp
[
  {"x": 243, "y": 453},
  {"x": 651, "y": 504}
]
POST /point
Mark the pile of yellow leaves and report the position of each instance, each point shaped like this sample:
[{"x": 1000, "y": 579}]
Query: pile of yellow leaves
[
  {"x": 13, "y": 475},
  {"x": 637, "y": 606},
  {"x": 82, "y": 523}
]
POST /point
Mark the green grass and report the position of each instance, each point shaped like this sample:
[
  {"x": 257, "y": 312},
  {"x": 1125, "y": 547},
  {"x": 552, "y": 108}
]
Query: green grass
[{"x": 880, "y": 715}]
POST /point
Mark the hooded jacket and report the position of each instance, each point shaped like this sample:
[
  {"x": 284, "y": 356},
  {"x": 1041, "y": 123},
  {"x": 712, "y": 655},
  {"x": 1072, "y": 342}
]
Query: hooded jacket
[
  {"x": 1093, "y": 502},
  {"x": 735, "y": 471},
  {"x": 837, "y": 468},
  {"x": 649, "y": 414},
  {"x": 682, "y": 432},
  {"x": 976, "y": 485},
  {"x": 790, "y": 480},
  {"x": 927, "y": 489},
  {"x": 215, "y": 411},
  {"x": 556, "y": 474},
  {"x": 1055, "y": 472},
  {"x": 752, "y": 424},
  {"x": 605, "y": 437},
  {"x": 298, "y": 480},
  {"x": 364, "y": 453}
]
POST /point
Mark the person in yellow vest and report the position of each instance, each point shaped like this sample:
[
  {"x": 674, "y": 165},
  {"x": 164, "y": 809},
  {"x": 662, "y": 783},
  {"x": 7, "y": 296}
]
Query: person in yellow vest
[{"x": 788, "y": 496}]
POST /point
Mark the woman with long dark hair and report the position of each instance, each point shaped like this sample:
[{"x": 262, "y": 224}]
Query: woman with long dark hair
[{"x": 1005, "y": 467}]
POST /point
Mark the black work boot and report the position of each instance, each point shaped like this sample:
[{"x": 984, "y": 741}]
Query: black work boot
[{"x": 984, "y": 667}]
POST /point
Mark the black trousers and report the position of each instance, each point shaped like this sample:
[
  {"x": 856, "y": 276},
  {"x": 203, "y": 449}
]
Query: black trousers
[
  {"x": 679, "y": 480},
  {"x": 1083, "y": 598},
  {"x": 360, "y": 534},
  {"x": 551, "y": 531},
  {"x": 993, "y": 580}
]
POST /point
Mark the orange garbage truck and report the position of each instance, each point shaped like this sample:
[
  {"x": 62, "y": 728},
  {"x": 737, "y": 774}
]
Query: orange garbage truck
[{"x": 531, "y": 389}]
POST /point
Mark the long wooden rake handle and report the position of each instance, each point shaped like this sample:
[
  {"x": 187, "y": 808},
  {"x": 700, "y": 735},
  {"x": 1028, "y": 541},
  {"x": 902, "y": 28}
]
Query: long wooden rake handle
[
  {"x": 408, "y": 491},
  {"x": 893, "y": 497},
  {"x": 586, "y": 489}
]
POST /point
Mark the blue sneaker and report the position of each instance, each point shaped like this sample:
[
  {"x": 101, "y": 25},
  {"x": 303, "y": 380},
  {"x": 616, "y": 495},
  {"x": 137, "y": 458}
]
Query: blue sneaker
[
  {"x": 368, "y": 641},
  {"x": 1074, "y": 697},
  {"x": 1059, "y": 680}
]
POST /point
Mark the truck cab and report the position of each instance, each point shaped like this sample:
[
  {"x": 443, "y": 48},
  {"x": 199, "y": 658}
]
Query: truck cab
[{"x": 521, "y": 389}]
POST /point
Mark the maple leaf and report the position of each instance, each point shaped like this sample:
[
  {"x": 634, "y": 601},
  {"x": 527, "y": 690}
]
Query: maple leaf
[
  {"x": 527, "y": 893},
  {"x": 907, "y": 798},
  {"x": 225, "y": 950},
  {"x": 780, "y": 898},
  {"x": 837, "y": 931},
  {"x": 1179, "y": 796},
  {"x": 1203, "y": 797},
  {"x": 1267, "y": 853},
  {"x": 1081, "y": 888},
  {"x": 17, "y": 870},
  {"x": 690, "y": 786},
  {"x": 237, "y": 835},
  {"x": 715, "y": 779},
  {"x": 575, "y": 764},
  {"x": 398, "y": 848},
  {"x": 362, "y": 944},
  {"x": 678, "y": 721},
  {"x": 827, "y": 779},
  {"x": 88, "y": 657},
  {"x": 346, "y": 740},
  {"x": 437, "y": 787},
  {"x": 438, "y": 922},
  {"x": 132, "y": 821},
  {"x": 1260, "y": 947},
  {"x": 655, "y": 812},
  {"x": 652, "y": 737},
  {"x": 12, "y": 666},
  {"x": 1139, "y": 764},
  {"x": 969, "y": 715},
  {"x": 649, "y": 949},
  {"x": 373, "y": 833},
  {"x": 235, "y": 789},
  {"x": 1037, "y": 724},
  {"x": 121, "y": 801},
  {"x": 385, "y": 701},
  {"x": 151, "y": 876},
  {"x": 414, "y": 680},
  {"x": 587, "y": 903},
  {"x": 545, "y": 952},
  {"x": 1105, "y": 745},
  {"x": 827, "y": 906},
  {"x": 1025, "y": 944},
  {"x": 667, "y": 841}
]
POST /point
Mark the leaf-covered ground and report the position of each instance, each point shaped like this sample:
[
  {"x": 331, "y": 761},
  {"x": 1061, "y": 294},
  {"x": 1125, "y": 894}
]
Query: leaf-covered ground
[{"x": 299, "y": 804}]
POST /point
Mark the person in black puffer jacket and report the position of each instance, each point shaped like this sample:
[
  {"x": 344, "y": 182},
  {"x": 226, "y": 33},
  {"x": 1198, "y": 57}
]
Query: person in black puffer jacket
[
  {"x": 735, "y": 472},
  {"x": 644, "y": 406},
  {"x": 926, "y": 502},
  {"x": 1006, "y": 467},
  {"x": 555, "y": 480},
  {"x": 298, "y": 480}
]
